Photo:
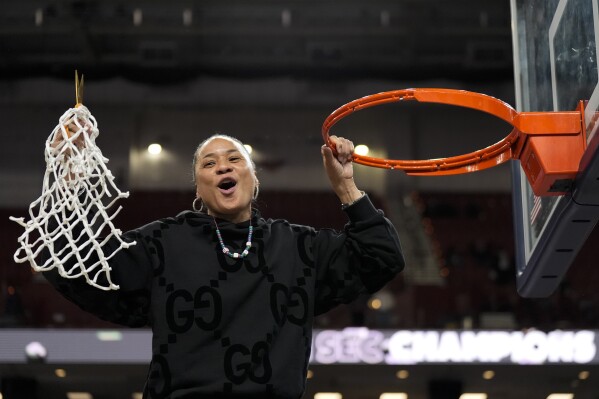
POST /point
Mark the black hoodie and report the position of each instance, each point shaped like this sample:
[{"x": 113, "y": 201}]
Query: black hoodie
[{"x": 240, "y": 328}]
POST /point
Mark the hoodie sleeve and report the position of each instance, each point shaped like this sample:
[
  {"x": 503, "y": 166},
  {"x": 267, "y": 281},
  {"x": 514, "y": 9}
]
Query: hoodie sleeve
[
  {"x": 361, "y": 259},
  {"x": 131, "y": 269}
]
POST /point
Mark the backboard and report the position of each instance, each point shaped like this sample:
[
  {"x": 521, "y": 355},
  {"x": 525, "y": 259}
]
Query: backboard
[{"x": 555, "y": 66}]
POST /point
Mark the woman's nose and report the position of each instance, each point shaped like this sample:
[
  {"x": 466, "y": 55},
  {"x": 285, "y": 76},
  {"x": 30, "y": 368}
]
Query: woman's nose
[{"x": 223, "y": 167}]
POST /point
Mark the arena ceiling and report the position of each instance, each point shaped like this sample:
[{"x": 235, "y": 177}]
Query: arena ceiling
[{"x": 161, "y": 41}]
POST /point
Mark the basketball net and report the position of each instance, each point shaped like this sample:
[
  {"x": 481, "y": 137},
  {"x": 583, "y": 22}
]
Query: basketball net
[{"x": 70, "y": 220}]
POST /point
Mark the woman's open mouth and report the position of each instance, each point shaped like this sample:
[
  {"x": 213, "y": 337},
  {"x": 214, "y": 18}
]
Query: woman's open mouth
[{"x": 227, "y": 186}]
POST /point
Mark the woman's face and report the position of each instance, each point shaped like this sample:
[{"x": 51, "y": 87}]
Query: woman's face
[{"x": 225, "y": 181}]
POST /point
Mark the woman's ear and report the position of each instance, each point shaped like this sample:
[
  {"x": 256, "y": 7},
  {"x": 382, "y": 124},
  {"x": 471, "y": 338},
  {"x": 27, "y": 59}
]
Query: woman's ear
[{"x": 256, "y": 187}]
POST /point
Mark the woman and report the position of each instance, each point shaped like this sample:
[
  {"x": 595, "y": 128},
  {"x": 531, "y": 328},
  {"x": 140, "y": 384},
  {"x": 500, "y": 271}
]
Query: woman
[{"x": 231, "y": 297}]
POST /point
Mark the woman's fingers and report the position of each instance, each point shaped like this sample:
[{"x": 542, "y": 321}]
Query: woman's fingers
[{"x": 344, "y": 148}]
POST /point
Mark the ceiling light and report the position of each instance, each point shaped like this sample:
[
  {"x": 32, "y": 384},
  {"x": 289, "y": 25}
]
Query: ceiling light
[
  {"x": 248, "y": 148},
  {"x": 402, "y": 374},
  {"x": 583, "y": 375},
  {"x": 60, "y": 373},
  {"x": 187, "y": 17},
  {"x": 488, "y": 374},
  {"x": 394, "y": 395},
  {"x": 286, "y": 18},
  {"x": 561, "y": 396},
  {"x": 154, "y": 149},
  {"x": 473, "y": 396},
  {"x": 137, "y": 395},
  {"x": 39, "y": 17},
  {"x": 137, "y": 17},
  {"x": 328, "y": 395},
  {"x": 385, "y": 18},
  {"x": 79, "y": 395},
  {"x": 375, "y": 303},
  {"x": 361, "y": 149}
]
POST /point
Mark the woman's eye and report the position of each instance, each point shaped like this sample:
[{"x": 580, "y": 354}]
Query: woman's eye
[
  {"x": 234, "y": 159},
  {"x": 208, "y": 164}
]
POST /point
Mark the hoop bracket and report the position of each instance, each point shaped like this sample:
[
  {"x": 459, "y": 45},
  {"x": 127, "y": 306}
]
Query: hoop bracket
[{"x": 549, "y": 145}]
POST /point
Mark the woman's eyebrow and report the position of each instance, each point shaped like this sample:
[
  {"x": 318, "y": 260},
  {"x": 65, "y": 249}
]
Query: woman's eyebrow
[{"x": 211, "y": 154}]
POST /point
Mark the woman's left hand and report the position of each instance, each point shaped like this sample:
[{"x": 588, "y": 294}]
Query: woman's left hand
[
  {"x": 340, "y": 169},
  {"x": 339, "y": 166}
]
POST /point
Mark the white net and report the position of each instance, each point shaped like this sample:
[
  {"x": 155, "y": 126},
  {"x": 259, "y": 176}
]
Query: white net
[{"x": 70, "y": 220}]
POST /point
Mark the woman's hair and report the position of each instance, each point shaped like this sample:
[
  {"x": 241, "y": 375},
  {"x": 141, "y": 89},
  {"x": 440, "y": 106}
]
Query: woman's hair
[{"x": 242, "y": 150}]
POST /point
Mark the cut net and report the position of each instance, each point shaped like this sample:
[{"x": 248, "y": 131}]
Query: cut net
[{"x": 70, "y": 220}]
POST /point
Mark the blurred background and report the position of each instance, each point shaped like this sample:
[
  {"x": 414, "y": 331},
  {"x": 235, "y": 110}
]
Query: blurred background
[{"x": 269, "y": 72}]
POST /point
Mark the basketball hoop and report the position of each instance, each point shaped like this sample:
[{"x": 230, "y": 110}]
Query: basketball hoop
[{"x": 533, "y": 139}]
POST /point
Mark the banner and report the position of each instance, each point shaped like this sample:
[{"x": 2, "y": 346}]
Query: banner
[
  {"x": 365, "y": 346},
  {"x": 355, "y": 345}
]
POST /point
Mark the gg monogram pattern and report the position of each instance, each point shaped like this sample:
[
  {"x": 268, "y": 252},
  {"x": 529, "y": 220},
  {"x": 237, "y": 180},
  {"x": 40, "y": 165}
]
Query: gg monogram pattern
[{"x": 224, "y": 327}]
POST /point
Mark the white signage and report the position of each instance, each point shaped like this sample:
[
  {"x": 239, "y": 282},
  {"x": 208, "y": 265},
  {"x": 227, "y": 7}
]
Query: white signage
[{"x": 365, "y": 346}]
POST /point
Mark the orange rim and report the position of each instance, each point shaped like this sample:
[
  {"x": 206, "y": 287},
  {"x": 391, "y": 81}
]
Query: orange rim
[{"x": 490, "y": 156}]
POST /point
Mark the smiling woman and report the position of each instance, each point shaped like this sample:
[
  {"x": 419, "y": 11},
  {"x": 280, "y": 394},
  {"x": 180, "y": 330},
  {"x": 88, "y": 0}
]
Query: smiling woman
[
  {"x": 225, "y": 178},
  {"x": 230, "y": 296}
]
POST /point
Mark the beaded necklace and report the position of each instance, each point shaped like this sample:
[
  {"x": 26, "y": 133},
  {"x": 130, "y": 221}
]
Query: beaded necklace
[{"x": 227, "y": 251}]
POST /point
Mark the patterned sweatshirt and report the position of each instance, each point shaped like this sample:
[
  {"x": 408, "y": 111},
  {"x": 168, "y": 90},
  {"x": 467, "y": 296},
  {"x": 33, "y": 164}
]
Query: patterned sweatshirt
[{"x": 237, "y": 328}]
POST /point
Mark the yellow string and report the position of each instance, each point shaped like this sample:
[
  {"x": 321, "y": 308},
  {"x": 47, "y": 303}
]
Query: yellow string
[{"x": 78, "y": 89}]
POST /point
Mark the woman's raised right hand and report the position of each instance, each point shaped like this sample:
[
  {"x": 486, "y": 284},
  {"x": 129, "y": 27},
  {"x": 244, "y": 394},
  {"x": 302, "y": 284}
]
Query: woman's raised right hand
[{"x": 71, "y": 129}]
